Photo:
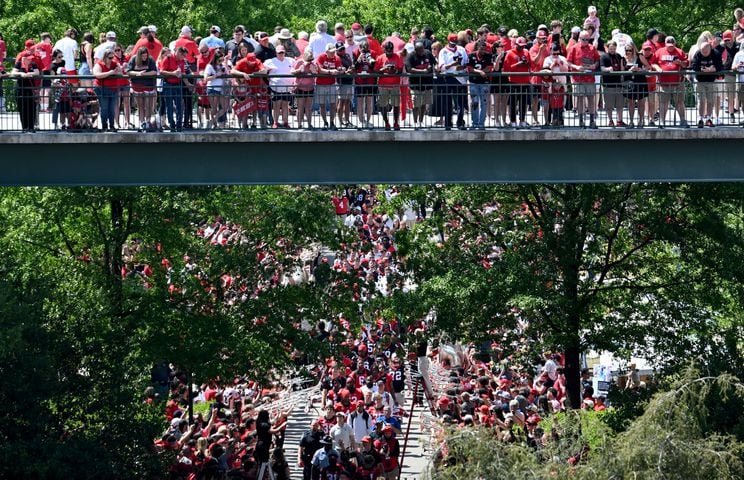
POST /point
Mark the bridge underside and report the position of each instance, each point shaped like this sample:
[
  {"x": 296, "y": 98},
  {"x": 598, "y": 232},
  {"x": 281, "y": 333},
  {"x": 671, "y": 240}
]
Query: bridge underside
[{"x": 294, "y": 157}]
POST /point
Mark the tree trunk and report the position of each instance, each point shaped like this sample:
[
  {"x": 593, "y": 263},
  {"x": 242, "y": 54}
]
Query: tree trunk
[
  {"x": 191, "y": 397},
  {"x": 572, "y": 357}
]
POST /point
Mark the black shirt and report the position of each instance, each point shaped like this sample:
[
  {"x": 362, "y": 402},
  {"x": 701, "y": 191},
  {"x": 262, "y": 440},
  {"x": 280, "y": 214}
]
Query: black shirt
[
  {"x": 265, "y": 53},
  {"x": 617, "y": 63},
  {"x": 479, "y": 63},
  {"x": 424, "y": 82},
  {"x": 700, "y": 61}
]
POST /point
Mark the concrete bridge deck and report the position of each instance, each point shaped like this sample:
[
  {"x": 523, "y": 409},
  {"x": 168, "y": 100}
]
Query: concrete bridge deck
[{"x": 350, "y": 156}]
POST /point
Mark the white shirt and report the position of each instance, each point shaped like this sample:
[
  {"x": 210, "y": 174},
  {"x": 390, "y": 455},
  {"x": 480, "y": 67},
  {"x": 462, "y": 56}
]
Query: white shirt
[
  {"x": 98, "y": 51},
  {"x": 551, "y": 369},
  {"x": 447, "y": 56},
  {"x": 318, "y": 42},
  {"x": 279, "y": 67},
  {"x": 360, "y": 428},
  {"x": 342, "y": 436},
  {"x": 69, "y": 48},
  {"x": 738, "y": 58},
  {"x": 557, "y": 65},
  {"x": 215, "y": 82}
]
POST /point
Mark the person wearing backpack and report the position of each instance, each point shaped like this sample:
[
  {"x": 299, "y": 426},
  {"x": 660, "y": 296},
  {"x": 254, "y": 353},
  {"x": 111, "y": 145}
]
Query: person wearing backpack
[{"x": 361, "y": 421}]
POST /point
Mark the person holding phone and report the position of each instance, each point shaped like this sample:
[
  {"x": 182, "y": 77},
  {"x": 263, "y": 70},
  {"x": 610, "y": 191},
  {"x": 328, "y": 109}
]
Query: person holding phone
[{"x": 670, "y": 60}]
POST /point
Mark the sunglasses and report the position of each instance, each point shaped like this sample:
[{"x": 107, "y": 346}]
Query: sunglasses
[{"x": 584, "y": 39}]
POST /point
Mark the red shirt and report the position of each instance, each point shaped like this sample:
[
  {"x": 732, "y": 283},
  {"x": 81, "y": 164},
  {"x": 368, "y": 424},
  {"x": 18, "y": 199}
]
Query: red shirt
[
  {"x": 250, "y": 64},
  {"x": 327, "y": 63},
  {"x": 171, "y": 64},
  {"x": 537, "y": 57},
  {"x": 584, "y": 55},
  {"x": 107, "y": 82},
  {"x": 512, "y": 64},
  {"x": 342, "y": 205},
  {"x": 665, "y": 59},
  {"x": 392, "y": 66},
  {"x": 203, "y": 60},
  {"x": 44, "y": 52},
  {"x": 153, "y": 48},
  {"x": 374, "y": 46},
  {"x": 190, "y": 45}
]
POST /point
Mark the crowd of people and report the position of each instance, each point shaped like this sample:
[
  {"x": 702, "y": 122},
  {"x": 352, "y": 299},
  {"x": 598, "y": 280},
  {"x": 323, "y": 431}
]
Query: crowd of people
[
  {"x": 359, "y": 393},
  {"x": 497, "y": 75}
]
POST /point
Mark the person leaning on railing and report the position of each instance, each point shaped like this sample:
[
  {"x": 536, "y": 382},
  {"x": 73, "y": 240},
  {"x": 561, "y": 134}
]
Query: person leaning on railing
[
  {"x": 670, "y": 60},
  {"x": 390, "y": 66},
  {"x": 635, "y": 88},
  {"x": 365, "y": 87},
  {"x": 305, "y": 70},
  {"x": 706, "y": 63},
  {"x": 142, "y": 70},
  {"x": 421, "y": 64}
]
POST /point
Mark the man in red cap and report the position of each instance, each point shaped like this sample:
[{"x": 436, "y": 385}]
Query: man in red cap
[
  {"x": 453, "y": 61},
  {"x": 538, "y": 53},
  {"x": 390, "y": 454},
  {"x": 369, "y": 460},
  {"x": 728, "y": 50},
  {"x": 517, "y": 60}
]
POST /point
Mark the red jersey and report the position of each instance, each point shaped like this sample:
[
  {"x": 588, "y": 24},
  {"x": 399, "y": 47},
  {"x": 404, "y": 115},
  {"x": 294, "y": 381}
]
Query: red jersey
[
  {"x": 171, "y": 64},
  {"x": 44, "y": 52},
  {"x": 191, "y": 47},
  {"x": 250, "y": 64},
  {"x": 666, "y": 59},
  {"x": 586, "y": 56},
  {"x": 327, "y": 63},
  {"x": 516, "y": 61},
  {"x": 391, "y": 65},
  {"x": 342, "y": 205}
]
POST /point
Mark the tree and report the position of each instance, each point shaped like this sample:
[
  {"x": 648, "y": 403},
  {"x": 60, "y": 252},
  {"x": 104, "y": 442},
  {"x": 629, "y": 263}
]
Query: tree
[
  {"x": 572, "y": 267},
  {"x": 672, "y": 439},
  {"x": 100, "y": 288}
]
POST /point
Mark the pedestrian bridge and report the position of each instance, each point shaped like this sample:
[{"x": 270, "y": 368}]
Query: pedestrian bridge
[{"x": 407, "y": 156}]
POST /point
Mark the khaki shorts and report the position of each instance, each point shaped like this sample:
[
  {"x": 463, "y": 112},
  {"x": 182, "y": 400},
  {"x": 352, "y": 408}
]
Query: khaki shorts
[
  {"x": 669, "y": 91},
  {"x": 584, "y": 89},
  {"x": 390, "y": 96},
  {"x": 326, "y": 94},
  {"x": 708, "y": 91},
  {"x": 613, "y": 98},
  {"x": 422, "y": 98}
]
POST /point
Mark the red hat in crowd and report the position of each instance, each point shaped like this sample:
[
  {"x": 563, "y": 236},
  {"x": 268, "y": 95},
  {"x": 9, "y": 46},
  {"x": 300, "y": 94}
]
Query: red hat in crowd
[
  {"x": 484, "y": 409},
  {"x": 338, "y": 407},
  {"x": 443, "y": 401},
  {"x": 356, "y": 26},
  {"x": 728, "y": 35},
  {"x": 367, "y": 439},
  {"x": 29, "y": 43},
  {"x": 542, "y": 34},
  {"x": 452, "y": 38},
  {"x": 387, "y": 428},
  {"x": 521, "y": 41}
]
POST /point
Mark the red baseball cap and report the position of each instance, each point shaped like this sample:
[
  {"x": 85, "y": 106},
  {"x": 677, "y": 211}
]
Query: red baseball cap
[
  {"x": 521, "y": 41},
  {"x": 452, "y": 38},
  {"x": 646, "y": 45},
  {"x": 387, "y": 428},
  {"x": 29, "y": 43},
  {"x": 356, "y": 26},
  {"x": 728, "y": 35},
  {"x": 542, "y": 34}
]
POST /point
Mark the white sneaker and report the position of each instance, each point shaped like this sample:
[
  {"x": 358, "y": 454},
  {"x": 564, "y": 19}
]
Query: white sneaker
[
  {"x": 513, "y": 125},
  {"x": 524, "y": 125}
]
